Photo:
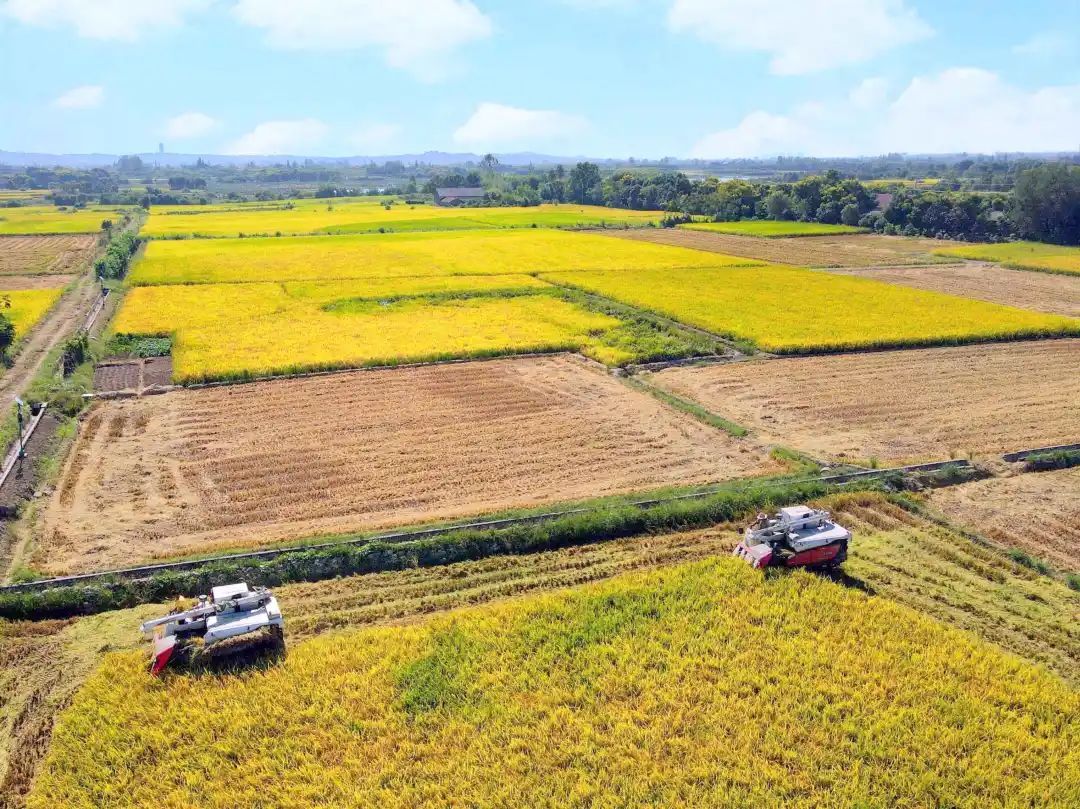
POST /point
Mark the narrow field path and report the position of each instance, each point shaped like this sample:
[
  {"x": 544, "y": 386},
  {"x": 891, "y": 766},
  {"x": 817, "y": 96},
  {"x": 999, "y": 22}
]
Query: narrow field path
[{"x": 61, "y": 322}]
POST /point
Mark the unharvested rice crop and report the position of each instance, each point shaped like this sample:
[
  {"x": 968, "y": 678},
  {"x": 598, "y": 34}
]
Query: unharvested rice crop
[
  {"x": 25, "y": 307},
  {"x": 1041, "y": 292},
  {"x": 403, "y": 254},
  {"x": 703, "y": 685},
  {"x": 766, "y": 229},
  {"x": 331, "y": 217},
  {"x": 793, "y": 310},
  {"x": 1022, "y": 256},
  {"x": 41, "y": 255},
  {"x": 859, "y": 250},
  {"x": 1035, "y": 513},
  {"x": 249, "y": 464},
  {"x": 923, "y": 405},
  {"x": 230, "y": 331},
  {"x": 48, "y": 219}
]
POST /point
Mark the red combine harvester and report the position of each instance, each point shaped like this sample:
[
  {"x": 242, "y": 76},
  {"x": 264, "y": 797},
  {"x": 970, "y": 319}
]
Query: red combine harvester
[{"x": 797, "y": 536}]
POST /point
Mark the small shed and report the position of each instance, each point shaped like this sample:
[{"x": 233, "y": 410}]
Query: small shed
[
  {"x": 450, "y": 197},
  {"x": 884, "y": 201}
]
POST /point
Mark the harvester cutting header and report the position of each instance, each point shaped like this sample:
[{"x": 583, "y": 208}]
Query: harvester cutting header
[{"x": 798, "y": 536}]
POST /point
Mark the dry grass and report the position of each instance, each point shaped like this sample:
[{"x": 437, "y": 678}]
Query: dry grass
[
  {"x": 44, "y": 255},
  {"x": 929, "y": 404}
]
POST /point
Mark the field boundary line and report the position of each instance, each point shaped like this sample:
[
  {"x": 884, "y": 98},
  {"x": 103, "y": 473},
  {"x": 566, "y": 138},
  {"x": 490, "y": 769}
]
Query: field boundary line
[{"x": 143, "y": 571}]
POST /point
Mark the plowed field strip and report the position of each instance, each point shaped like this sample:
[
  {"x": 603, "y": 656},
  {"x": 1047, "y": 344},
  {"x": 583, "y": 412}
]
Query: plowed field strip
[
  {"x": 900, "y": 405},
  {"x": 1041, "y": 292},
  {"x": 1037, "y": 513},
  {"x": 42, "y": 255},
  {"x": 292, "y": 458},
  {"x": 861, "y": 250}
]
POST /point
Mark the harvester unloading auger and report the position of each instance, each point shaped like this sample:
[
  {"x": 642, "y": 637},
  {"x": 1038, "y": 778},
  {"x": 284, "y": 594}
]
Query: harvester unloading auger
[
  {"x": 798, "y": 536},
  {"x": 231, "y": 611}
]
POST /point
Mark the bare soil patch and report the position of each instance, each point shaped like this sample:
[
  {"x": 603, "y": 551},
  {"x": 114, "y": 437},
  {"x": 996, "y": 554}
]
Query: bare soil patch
[
  {"x": 859, "y": 250},
  {"x": 132, "y": 376},
  {"x": 925, "y": 404},
  {"x": 44, "y": 255},
  {"x": 16, "y": 282},
  {"x": 241, "y": 465},
  {"x": 1035, "y": 512},
  {"x": 1041, "y": 292}
]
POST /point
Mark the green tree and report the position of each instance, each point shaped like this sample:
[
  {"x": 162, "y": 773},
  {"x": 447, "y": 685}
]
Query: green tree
[
  {"x": 850, "y": 214},
  {"x": 584, "y": 182},
  {"x": 489, "y": 163},
  {"x": 779, "y": 205},
  {"x": 1046, "y": 204}
]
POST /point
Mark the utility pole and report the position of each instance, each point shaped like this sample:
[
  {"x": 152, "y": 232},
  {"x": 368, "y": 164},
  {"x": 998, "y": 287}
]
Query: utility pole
[{"x": 19, "y": 416}]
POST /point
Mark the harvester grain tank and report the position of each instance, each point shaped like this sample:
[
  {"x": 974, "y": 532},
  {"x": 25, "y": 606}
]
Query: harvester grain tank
[
  {"x": 797, "y": 536},
  {"x": 231, "y": 611}
]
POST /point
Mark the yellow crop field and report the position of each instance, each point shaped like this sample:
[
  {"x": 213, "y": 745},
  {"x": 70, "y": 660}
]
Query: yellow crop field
[
  {"x": 25, "y": 307},
  {"x": 788, "y": 309},
  {"x": 334, "y": 216},
  {"x": 1022, "y": 256},
  {"x": 48, "y": 219},
  {"x": 491, "y": 252},
  {"x": 235, "y": 330},
  {"x": 701, "y": 685}
]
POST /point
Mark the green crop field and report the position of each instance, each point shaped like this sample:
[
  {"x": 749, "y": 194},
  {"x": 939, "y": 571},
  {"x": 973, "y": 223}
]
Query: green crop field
[
  {"x": 702, "y": 685},
  {"x": 791, "y": 310},
  {"x": 484, "y": 252},
  {"x": 333, "y": 216},
  {"x": 33, "y": 219},
  {"x": 772, "y": 230},
  {"x": 1022, "y": 256}
]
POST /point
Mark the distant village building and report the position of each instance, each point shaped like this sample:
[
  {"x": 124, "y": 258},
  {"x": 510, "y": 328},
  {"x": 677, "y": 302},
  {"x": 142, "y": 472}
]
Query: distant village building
[{"x": 450, "y": 197}]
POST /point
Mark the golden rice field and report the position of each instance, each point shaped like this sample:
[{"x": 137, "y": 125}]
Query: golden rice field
[
  {"x": 492, "y": 252},
  {"x": 701, "y": 685},
  {"x": 25, "y": 307},
  {"x": 32, "y": 219},
  {"x": 1022, "y": 256},
  {"x": 791, "y": 310},
  {"x": 238, "y": 330},
  {"x": 333, "y": 216},
  {"x": 768, "y": 229}
]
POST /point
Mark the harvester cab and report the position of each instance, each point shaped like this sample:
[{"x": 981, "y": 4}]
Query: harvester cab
[
  {"x": 797, "y": 536},
  {"x": 231, "y": 611}
]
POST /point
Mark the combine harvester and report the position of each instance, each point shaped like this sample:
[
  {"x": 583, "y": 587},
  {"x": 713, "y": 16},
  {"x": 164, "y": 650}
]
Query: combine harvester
[
  {"x": 232, "y": 611},
  {"x": 798, "y": 536}
]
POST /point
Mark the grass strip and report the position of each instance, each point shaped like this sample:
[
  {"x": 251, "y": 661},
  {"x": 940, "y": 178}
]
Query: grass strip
[{"x": 691, "y": 408}]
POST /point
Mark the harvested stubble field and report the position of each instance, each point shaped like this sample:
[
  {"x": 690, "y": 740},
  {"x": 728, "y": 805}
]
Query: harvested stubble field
[
  {"x": 920, "y": 405},
  {"x": 48, "y": 219},
  {"x": 43, "y": 255},
  {"x": 794, "y": 310},
  {"x": 858, "y": 250},
  {"x": 383, "y": 256},
  {"x": 252, "y": 464},
  {"x": 234, "y": 331},
  {"x": 335, "y": 217},
  {"x": 1022, "y": 256},
  {"x": 1038, "y": 513},
  {"x": 1040, "y": 292},
  {"x": 765, "y": 229},
  {"x": 898, "y": 555},
  {"x": 703, "y": 684}
]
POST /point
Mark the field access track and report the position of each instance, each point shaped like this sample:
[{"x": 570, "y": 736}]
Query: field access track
[
  {"x": 858, "y": 250},
  {"x": 899, "y": 405},
  {"x": 239, "y": 466}
]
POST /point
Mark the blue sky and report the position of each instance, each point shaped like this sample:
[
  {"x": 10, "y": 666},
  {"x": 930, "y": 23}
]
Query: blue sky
[{"x": 701, "y": 78}]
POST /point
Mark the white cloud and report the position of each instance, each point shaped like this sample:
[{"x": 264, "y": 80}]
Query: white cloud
[
  {"x": 957, "y": 110},
  {"x": 802, "y": 36},
  {"x": 372, "y": 138},
  {"x": 123, "y": 20},
  {"x": 1044, "y": 45},
  {"x": 415, "y": 35},
  {"x": 498, "y": 125},
  {"x": 81, "y": 98},
  {"x": 189, "y": 125},
  {"x": 869, "y": 93},
  {"x": 279, "y": 137}
]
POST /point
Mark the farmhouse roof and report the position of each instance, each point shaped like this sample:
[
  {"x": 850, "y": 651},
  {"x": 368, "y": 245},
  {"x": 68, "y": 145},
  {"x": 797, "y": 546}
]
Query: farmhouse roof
[
  {"x": 884, "y": 201},
  {"x": 460, "y": 192}
]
